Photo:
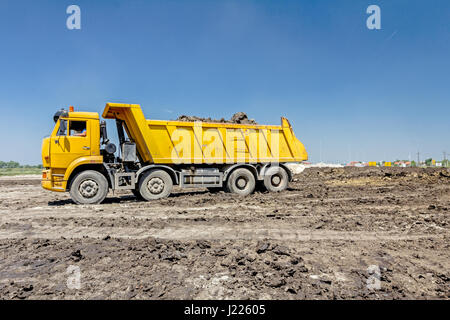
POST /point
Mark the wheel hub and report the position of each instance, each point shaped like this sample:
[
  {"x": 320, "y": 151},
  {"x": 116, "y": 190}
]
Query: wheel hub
[
  {"x": 241, "y": 183},
  {"x": 276, "y": 180},
  {"x": 88, "y": 188},
  {"x": 155, "y": 185}
]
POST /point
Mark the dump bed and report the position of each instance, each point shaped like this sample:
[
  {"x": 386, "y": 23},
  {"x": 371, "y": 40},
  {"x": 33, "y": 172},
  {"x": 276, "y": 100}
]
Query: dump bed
[{"x": 180, "y": 142}]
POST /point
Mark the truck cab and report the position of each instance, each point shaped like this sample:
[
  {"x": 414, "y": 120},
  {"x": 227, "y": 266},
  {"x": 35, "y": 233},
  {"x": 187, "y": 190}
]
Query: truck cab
[{"x": 74, "y": 141}]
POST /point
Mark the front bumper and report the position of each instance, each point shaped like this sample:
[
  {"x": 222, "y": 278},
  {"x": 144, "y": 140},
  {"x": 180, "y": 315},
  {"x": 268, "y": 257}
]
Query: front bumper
[{"x": 49, "y": 182}]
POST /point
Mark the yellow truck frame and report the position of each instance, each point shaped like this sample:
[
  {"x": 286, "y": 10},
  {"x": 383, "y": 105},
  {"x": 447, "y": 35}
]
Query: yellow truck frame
[{"x": 155, "y": 155}]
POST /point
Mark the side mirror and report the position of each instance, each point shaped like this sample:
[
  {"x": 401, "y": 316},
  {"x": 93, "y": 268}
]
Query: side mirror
[{"x": 103, "y": 133}]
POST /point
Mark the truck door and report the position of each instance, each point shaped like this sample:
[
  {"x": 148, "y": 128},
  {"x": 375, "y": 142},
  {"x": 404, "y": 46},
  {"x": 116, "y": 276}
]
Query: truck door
[{"x": 71, "y": 141}]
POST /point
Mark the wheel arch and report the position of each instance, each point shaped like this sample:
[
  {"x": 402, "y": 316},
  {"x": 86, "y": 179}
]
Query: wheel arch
[
  {"x": 169, "y": 170},
  {"x": 282, "y": 165},
  {"x": 99, "y": 167},
  {"x": 228, "y": 170}
]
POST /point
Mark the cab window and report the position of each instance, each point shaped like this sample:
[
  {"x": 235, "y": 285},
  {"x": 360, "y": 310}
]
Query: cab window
[
  {"x": 77, "y": 128},
  {"x": 62, "y": 130}
]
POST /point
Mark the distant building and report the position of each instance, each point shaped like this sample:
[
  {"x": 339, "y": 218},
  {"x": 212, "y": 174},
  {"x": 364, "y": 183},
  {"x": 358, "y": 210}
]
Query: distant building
[
  {"x": 354, "y": 164},
  {"x": 402, "y": 163}
]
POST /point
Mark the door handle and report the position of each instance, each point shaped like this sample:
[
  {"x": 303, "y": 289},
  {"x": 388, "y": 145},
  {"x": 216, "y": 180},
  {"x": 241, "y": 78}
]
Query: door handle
[{"x": 86, "y": 148}]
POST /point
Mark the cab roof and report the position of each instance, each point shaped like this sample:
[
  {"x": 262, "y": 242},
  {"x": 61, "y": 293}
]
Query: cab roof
[{"x": 84, "y": 115}]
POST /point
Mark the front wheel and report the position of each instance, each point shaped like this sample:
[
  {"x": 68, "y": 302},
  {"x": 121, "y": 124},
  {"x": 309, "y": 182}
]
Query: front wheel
[
  {"x": 155, "y": 184},
  {"x": 89, "y": 187}
]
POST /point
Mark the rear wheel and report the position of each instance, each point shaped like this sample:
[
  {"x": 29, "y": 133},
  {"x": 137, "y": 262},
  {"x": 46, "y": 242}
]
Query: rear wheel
[
  {"x": 276, "y": 179},
  {"x": 155, "y": 184},
  {"x": 89, "y": 187},
  {"x": 241, "y": 181}
]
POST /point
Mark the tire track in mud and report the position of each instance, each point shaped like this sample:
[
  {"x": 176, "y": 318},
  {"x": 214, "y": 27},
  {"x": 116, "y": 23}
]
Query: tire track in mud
[{"x": 243, "y": 232}]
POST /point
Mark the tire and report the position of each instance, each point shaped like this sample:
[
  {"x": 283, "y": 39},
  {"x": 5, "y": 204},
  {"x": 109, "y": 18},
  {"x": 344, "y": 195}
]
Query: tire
[
  {"x": 276, "y": 179},
  {"x": 89, "y": 187},
  {"x": 155, "y": 184},
  {"x": 241, "y": 182}
]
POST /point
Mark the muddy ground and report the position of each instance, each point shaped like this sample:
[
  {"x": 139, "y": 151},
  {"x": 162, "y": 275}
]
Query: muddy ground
[{"x": 331, "y": 235}]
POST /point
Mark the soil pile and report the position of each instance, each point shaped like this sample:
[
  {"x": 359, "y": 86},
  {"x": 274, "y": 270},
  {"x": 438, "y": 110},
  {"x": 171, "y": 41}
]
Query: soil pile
[{"x": 238, "y": 117}]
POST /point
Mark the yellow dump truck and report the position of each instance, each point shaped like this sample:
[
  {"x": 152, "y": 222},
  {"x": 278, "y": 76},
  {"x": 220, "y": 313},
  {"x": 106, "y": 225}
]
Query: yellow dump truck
[{"x": 155, "y": 155}]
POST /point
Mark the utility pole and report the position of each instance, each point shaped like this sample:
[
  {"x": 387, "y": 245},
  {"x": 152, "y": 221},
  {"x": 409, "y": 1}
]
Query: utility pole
[
  {"x": 418, "y": 158},
  {"x": 321, "y": 150},
  {"x": 444, "y": 162},
  {"x": 349, "y": 153}
]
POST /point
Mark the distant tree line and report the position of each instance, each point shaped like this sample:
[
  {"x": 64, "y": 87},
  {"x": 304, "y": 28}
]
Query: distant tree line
[{"x": 14, "y": 164}]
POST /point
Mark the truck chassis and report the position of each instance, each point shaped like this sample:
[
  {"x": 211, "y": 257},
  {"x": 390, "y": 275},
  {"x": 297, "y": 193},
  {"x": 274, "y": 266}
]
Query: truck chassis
[{"x": 153, "y": 182}]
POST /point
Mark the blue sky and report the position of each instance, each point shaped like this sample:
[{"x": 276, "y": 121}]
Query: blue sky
[{"x": 350, "y": 92}]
